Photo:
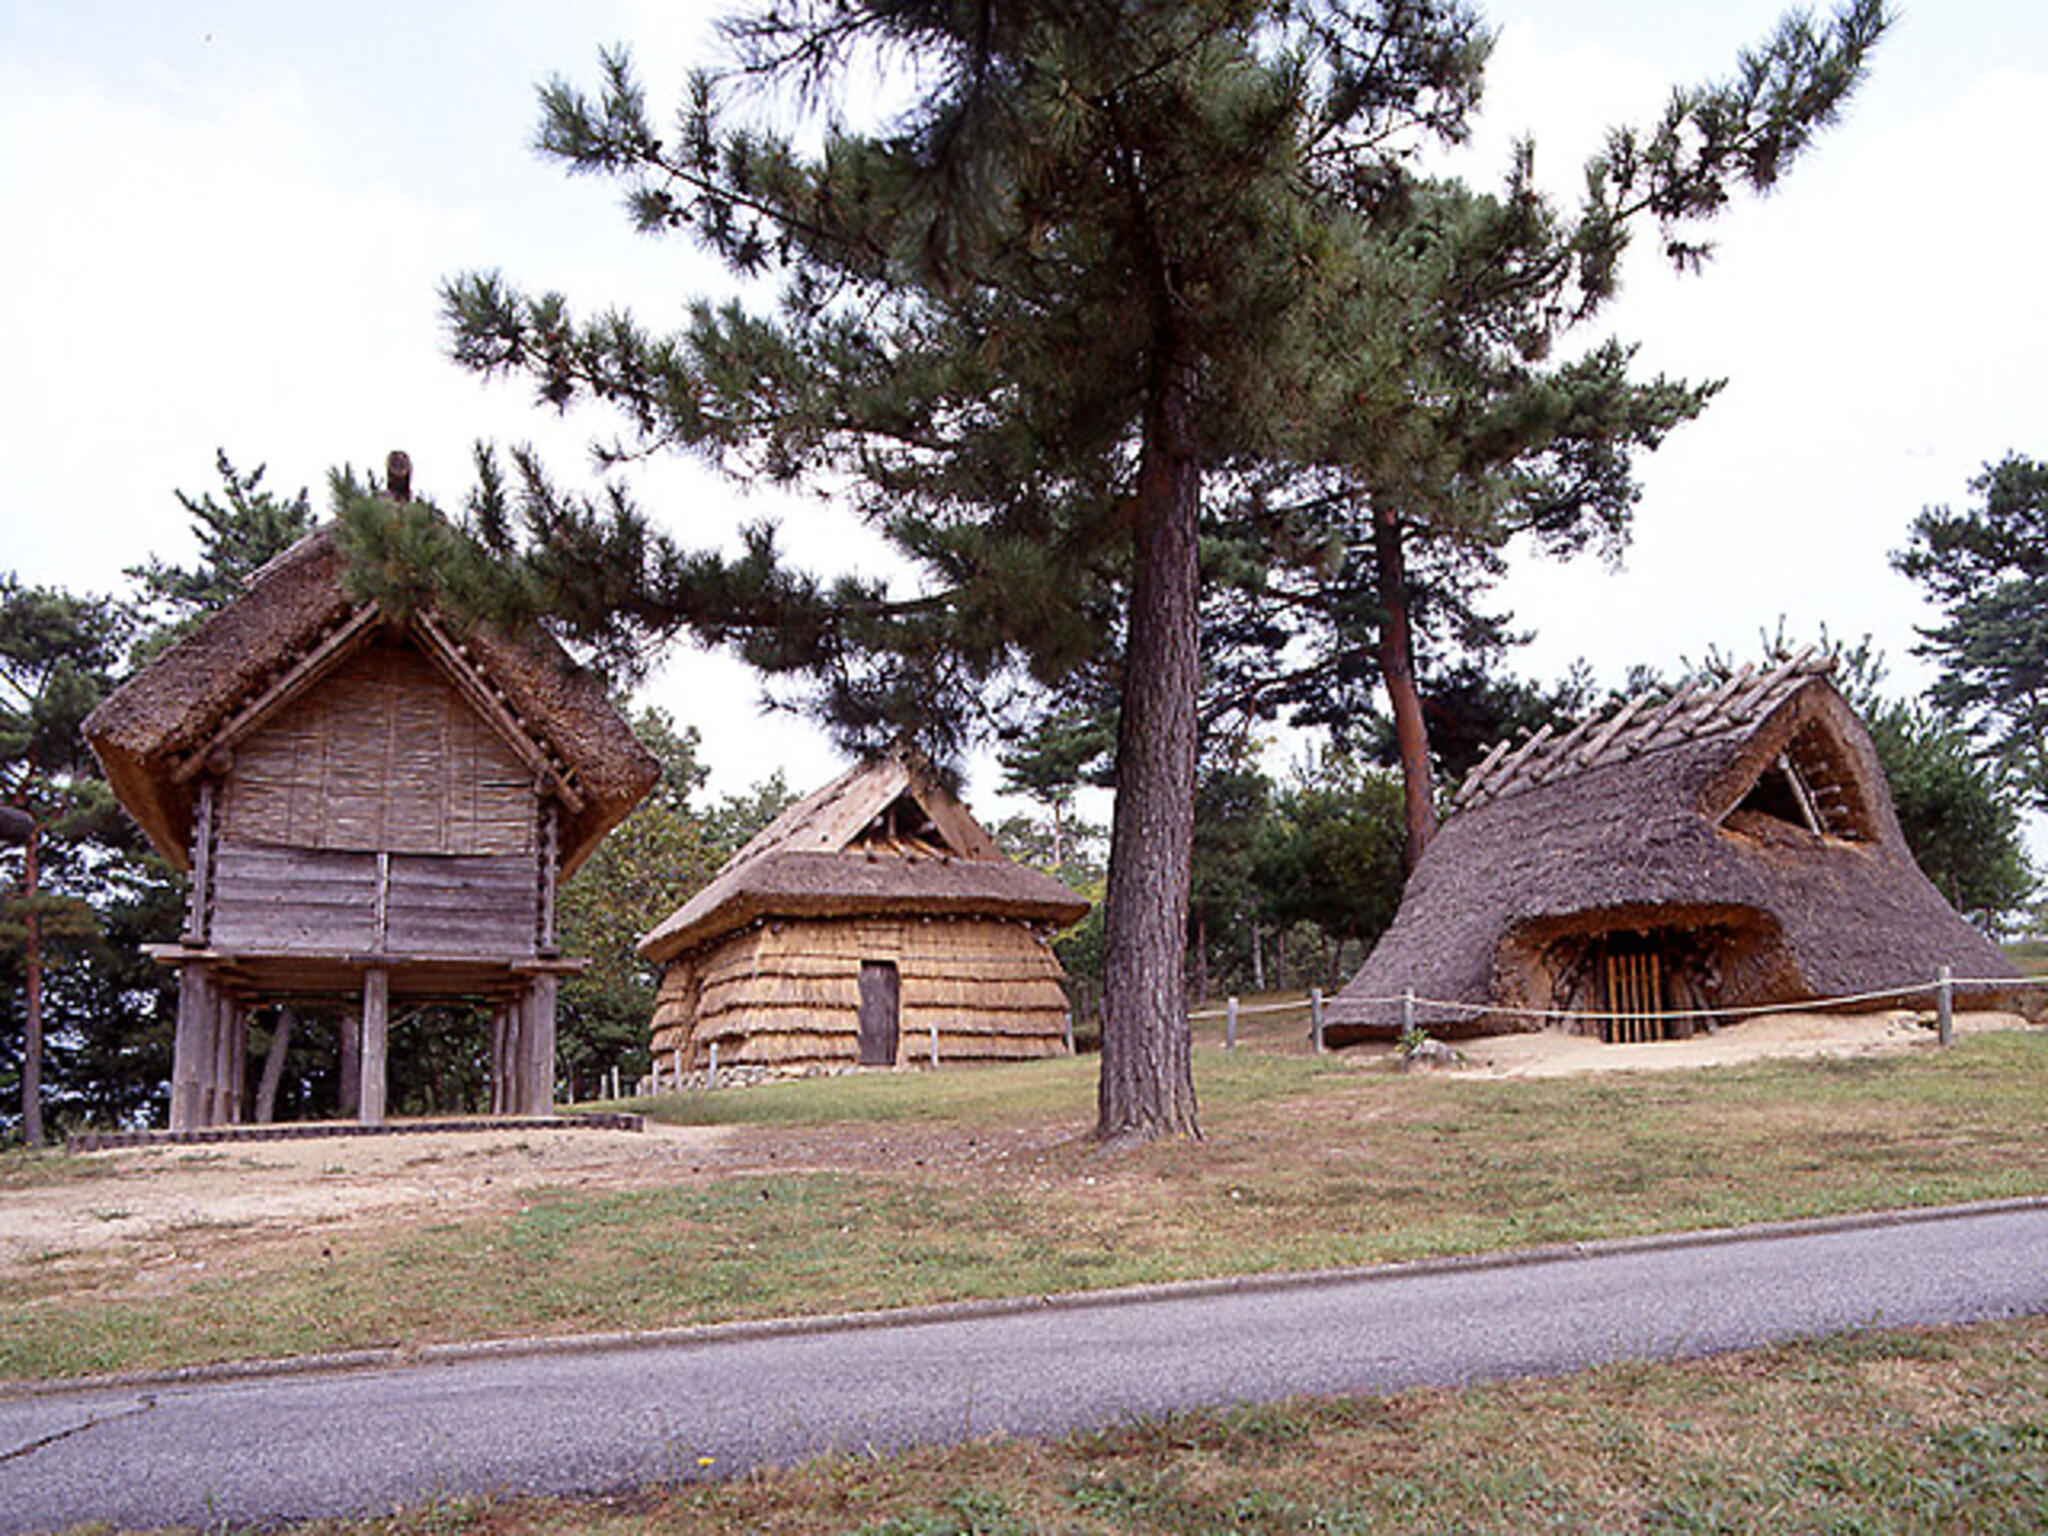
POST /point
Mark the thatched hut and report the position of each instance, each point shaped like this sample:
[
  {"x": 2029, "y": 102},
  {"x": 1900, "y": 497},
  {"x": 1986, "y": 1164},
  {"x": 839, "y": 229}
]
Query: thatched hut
[
  {"x": 1727, "y": 846},
  {"x": 873, "y": 923},
  {"x": 370, "y": 812}
]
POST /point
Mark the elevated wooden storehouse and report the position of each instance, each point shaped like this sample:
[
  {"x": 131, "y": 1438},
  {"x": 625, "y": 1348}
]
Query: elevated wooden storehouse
[
  {"x": 873, "y": 923},
  {"x": 1728, "y": 846},
  {"x": 371, "y": 811}
]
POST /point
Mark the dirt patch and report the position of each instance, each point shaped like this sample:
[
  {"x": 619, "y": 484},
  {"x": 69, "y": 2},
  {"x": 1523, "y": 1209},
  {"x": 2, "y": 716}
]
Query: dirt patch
[
  {"x": 1769, "y": 1036},
  {"x": 208, "y": 1202},
  {"x": 137, "y": 1196}
]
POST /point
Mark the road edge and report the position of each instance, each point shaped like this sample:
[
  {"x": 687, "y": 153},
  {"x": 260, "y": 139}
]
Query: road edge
[{"x": 700, "y": 1335}]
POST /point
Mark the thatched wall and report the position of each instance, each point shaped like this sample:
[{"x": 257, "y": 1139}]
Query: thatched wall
[
  {"x": 383, "y": 755},
  {"x": 786, "y": 994}
]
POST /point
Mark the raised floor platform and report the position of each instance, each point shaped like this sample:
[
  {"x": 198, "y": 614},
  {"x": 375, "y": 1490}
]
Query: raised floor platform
[{"x": 306, "y": 1130}]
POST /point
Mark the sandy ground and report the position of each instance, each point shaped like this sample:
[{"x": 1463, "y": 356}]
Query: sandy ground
[
  {"x": 1768, "y": 1035},
  {"x": 177, "y": 1203},
  {"x": 209, "y": 1192}
]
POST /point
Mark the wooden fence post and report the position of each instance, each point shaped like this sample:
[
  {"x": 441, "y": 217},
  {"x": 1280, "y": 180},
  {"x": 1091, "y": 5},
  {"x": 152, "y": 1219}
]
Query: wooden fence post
[
  {"x": 1945, "y": 1006},
  {"x": 1230, "y": 1024},
  {"x": 1408, "y": 1011},
  {"x": 1315, "y": 1016}
]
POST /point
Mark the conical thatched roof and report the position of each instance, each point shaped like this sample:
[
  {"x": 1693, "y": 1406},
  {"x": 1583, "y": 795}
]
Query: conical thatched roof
[
  {"x": 1757, "y": 803},
  {"x": 291, "y": 627},
  {"x": 884, "y": 838}
]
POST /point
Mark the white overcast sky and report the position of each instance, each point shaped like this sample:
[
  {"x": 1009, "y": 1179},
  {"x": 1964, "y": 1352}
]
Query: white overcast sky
[{"x": 223, "y": 224}]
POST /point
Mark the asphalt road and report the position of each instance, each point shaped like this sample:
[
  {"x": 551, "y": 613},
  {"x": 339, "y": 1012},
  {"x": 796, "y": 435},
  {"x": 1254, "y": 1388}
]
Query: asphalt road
[{"x": 266, "y": 1449}]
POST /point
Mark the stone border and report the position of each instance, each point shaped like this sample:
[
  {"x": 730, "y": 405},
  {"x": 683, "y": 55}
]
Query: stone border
[{"x": 308, "y": 1130}]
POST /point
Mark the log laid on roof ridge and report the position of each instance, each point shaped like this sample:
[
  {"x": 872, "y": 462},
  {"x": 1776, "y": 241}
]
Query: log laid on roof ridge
[
  {"x": 1557, "y": 758},
  {"x": 1621, "y": 717},
  {"x": 1520, "y": 759}
]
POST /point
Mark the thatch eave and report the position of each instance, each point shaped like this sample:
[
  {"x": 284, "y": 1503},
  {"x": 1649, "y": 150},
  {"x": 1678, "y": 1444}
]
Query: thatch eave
[
  {"x": 173, "y": 707},
  {"x": 796, "y": 884}
]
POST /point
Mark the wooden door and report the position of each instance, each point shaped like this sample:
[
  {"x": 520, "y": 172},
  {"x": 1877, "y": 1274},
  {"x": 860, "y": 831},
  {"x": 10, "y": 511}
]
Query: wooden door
[
  {"x": 880, "y": 994},
  {"x": 1635, "y": 995}
]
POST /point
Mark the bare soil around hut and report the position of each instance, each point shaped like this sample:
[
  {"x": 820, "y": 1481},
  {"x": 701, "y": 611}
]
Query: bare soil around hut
[{"x": 188, "y": 1205}]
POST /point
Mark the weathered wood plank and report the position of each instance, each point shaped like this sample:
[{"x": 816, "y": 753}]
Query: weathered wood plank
[{"x": 376, "y": 1028}]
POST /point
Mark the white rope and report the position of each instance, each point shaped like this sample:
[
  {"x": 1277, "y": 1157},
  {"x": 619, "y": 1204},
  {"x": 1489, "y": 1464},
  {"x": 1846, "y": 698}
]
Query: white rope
[
  {"x": 1810, "y": 1005},
  {"x": 1956, "y": 984}
]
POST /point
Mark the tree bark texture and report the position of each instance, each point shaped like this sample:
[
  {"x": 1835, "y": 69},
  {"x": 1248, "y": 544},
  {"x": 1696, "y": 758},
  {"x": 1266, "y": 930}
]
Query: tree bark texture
[
  {"x": 1147, "y": 1087},
  {"x": 32, "y": 992},
  {"x": 1397, "y": 671},
  {"x": 273, "y": 1066}
]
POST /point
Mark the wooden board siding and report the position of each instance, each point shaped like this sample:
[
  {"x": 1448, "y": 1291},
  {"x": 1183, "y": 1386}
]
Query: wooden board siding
[
  {"x": 384, "y": 755},
  {"x": 788, "y": 995},
  {"x": 478, "y": 905},
  {"x": 317, "y": 901},
  {"x": 293, "y": 899}
]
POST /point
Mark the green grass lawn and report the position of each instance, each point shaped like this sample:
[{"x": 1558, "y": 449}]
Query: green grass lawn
[{"x": 905, "y": 1189}]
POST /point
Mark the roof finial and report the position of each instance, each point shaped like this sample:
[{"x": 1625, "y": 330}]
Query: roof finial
[{"x": 398, "y": 475}]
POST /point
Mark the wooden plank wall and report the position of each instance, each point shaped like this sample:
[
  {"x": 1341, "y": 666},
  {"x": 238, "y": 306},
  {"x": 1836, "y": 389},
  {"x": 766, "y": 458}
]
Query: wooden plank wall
[
  {"x": 313, "y": 901},
  {"x": 458, "y": 906},
  {"x": 297, "y": 899}
]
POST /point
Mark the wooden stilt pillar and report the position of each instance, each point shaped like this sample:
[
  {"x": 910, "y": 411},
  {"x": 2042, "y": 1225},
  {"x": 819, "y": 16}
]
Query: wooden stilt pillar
[
  {"x": 191, "y": 1053},
  {"x": 376, "y": 1025},
  {"x": 238, "y": 1054},
  {"x": 538, "y": 1048},
  {"x": 498, "y": 1059},
  {"x": 509, "y": 1092},
  {"x": 220, "y": 1102},
  {"x": 349, "y": 1068}
]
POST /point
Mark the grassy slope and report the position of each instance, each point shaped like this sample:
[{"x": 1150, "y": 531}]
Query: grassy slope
[{"x": 1308, "y": 1163}]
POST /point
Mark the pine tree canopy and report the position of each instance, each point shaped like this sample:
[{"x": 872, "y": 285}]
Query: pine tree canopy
[
  {"x": 1103, "y": 261},
  {"x": 1987, "y": 569}
]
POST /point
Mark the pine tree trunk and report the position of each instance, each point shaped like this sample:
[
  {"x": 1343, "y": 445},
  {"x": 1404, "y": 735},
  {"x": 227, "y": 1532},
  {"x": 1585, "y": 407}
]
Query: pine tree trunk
[
  {"x": 32, "y": 992},
  {"x": 1397, "y": 671},
  {"x": 1147, "y": 1087}
]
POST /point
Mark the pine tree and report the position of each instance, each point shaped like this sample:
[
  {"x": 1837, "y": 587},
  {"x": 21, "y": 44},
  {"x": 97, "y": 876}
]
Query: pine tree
[
  {"x": 57, "y": 656},
  {"x": 1987, "y": 569},
  {"x": 1089, "y": 269},
  {"x": 237, "y": 536}
]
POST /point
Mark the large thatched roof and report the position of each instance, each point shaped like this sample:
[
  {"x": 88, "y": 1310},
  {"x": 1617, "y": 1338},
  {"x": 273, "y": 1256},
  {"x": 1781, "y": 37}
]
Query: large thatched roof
[
  {"x": 291, "y": 627},
  {"x": 885, "y": 838},
  {"x": 1758, "y": 802}
]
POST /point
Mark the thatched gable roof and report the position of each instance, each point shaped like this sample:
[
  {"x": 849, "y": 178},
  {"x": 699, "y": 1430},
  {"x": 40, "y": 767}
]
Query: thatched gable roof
[
  {"x": 294, "y": 624},
  {"x": 1760, "y": 801},
  {"x": 884, "y": 838}
]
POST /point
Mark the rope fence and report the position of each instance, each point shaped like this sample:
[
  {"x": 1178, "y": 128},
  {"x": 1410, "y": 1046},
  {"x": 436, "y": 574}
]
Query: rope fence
[
  {"x": 1942, "y": 990},
  {"x": 1809, "y": 1005}
]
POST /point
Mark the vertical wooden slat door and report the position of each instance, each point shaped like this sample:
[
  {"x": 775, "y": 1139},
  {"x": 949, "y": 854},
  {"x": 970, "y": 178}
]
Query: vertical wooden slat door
[
  {"x": 880, "y": 1011},
  {"x": 1635, "y": 997}
]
